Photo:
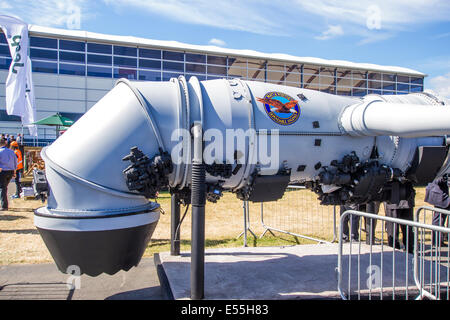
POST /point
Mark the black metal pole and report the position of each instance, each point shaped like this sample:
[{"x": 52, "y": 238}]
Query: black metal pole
[
  {"x": 198, "y": 201},
  {"x": 174, "y": 223}
]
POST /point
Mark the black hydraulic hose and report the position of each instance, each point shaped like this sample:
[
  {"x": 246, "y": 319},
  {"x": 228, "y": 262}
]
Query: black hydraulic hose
[{"x": 198, "y": 201}]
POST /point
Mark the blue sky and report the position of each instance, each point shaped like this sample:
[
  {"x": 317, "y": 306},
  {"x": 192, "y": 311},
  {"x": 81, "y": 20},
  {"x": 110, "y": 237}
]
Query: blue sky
[{"x": 407, "y": 33}]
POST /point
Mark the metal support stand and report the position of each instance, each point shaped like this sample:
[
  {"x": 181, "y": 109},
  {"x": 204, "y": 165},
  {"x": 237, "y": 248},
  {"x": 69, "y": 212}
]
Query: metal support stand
[
  {"x": 245, "y": 206},
  {"x": 174, "y": 225}
]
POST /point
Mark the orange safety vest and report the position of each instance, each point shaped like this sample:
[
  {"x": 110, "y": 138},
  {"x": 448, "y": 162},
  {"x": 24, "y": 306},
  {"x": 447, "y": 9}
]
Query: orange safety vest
[{"x": 19, "y": 159}]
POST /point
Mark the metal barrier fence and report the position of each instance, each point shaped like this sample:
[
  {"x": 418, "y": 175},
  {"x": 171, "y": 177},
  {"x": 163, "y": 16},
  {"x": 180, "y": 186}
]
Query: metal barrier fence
[
  {"x": 436, "y": 253},
  {"x": 299, "y": 214},
  {"x": 391, "y": 271}
]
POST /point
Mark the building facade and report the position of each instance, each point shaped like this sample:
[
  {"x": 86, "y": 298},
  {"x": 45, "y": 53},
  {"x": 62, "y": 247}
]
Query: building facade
[{"x": 72, "y": 70}]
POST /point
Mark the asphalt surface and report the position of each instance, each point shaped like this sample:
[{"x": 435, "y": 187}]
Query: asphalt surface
[{"x": 45, "y": 281}]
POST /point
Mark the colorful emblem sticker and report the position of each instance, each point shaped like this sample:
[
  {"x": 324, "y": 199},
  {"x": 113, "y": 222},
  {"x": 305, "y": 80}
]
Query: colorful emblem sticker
[{"x": 281, "y": 108}]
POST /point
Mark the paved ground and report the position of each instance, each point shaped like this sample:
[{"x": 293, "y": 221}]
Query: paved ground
[
  {"x": 295, "y": 272},
  {"x": 44, "y": 281}
]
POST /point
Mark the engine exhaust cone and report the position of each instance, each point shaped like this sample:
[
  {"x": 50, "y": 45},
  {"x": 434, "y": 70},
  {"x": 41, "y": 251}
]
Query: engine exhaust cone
[{"x": 97, "y": 244}]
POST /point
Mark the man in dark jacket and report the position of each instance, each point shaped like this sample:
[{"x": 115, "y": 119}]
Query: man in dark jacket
[
  {"x": 436, "y": 193},
  {"x": 403, "y": 210}
]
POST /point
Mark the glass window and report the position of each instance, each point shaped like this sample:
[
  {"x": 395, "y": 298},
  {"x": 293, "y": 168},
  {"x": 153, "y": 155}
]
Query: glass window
[
  {"x": 402, "y": 87},
  {"x": 99, "y": 59},
  {"x": 310, "y": 69},
  {"x": 125, "y": 51},
  {"x": 150, "y": 64},
  {"x": 5, "y": 63},
  {"x": 404, "y": 79},
  {"x": 47, "y": 67},
  {"x": 4, "y": 116},
  {"x": 75, "y": 69},
  {"x": 275, "y": 66},
  {"x": 296, "y": 68},
  {"x": 374, "y": 76},
  {"x": 197, "y": 58},
  {"x": 344, "y": 73},
  {"x": 173, "y": 66},
  {"x": 125, "y": 62},
  {"x": 4, "y": 51},
  {"x": 3, "y": 38},
  {"x": 217, "y": 70},
  {"x": 375, "y": 84},
  {"x": 43, "y": 54},
  {"x": 388, "y": 92},
  {"x": 256, "y": 74},
  {"x": 388, "y": 85},
  {"x": 256, "y": 63},
  {"x": 43, "y": 42},
  {"x": 99, "y": 48},
  {"x": 196, "y": 68},
  {"x": 71, "y": 56},
  {"x": 344, "y": 91},
  {"x": 417, "y": 80},
  {"x": 276, "y": 76},
  {"x": 324, "y": 80},
  {"x": 359, "y": 83},
  {"x": 168, "y": 75},
  {"x": 149, "y": 53},
  {"x": 125, "y": 73},
  {"x": 344, "y": 82},
  {"x": 149, "y": 75},
  {"x": 329, "y": 72},
  {"x": 327, "y": 89},
  {"x": 310, "y": 79},
  {"x": 71, "y": 45},
  {"x": 311, "y": 86},
  {"x": 103, "y": 72},
  {"x": 389, "y": 77},
  {"x": 237, "y": 62},
  {"x": 237, "y": 72},
  {"x": 415, "y": 88},
  {"x": 359, "y": 92},
  {"x": 292, "y": 77},
  {"x": 170, "y": 55},
  {"x": 200, "y": 78},
  {"x": 217, "y": 60},
  {"x": 359, "y": 75},
  {"x": 373, "y": 91}
]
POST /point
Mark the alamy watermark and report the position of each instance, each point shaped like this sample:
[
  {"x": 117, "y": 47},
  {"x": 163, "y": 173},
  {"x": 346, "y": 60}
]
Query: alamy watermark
[{"x": 231, "y": 146}]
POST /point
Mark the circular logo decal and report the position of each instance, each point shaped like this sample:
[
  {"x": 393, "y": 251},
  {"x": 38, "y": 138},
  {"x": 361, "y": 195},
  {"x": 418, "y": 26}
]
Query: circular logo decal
[{"x": 281, "y": 108}]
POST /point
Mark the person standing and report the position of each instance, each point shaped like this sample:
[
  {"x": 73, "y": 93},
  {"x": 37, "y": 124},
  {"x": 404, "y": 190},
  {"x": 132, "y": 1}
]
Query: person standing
[
  {"x": 19, "y": 139},
  {"x": 437, "y": 194},
  {"x": 19, "y": 170},
  {"x": 351, "y": 219},
  {"x": 403, "y": 210},
  {"x": 8, "y": 165}
]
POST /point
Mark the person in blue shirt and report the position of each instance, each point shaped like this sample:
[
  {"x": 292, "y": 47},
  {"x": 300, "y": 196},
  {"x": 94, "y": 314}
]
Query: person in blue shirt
[{"x": 8, "y": 165}]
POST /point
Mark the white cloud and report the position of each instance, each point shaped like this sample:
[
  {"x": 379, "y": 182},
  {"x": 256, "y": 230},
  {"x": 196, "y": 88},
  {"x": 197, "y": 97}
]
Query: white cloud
[
  {"x": 440, "y": 85},
  {"x": 49, "y": 13},
  {"x": 331, "y": 32},
  {"x": 367, "y": 19},
  {"x": 251, "y": 16},
  {"x": 217, "y": 42}
]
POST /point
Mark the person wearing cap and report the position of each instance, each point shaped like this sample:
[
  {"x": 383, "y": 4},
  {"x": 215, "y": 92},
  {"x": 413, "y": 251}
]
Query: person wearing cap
[
  {"x": 8, "y": 165},
  {"x": 19, "y": 170}
]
